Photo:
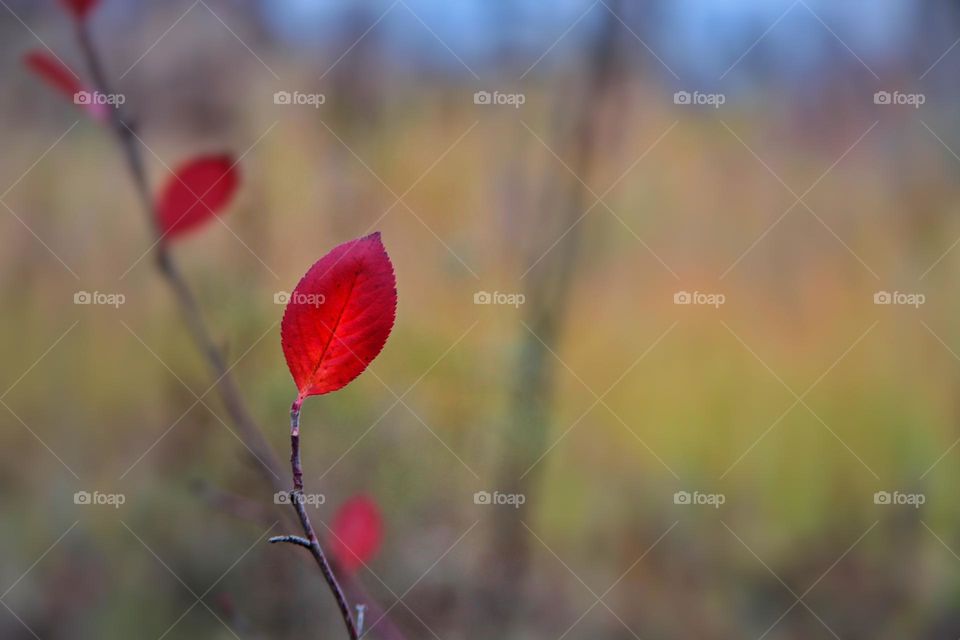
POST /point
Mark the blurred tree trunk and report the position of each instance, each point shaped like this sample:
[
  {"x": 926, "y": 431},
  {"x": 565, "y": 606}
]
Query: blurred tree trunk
[{"x": 525, "y": 438}]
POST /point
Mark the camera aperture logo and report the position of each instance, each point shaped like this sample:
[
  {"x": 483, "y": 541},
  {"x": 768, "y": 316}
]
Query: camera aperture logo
[
  {"x": 299, "y": 98},
  {"x": 715, "y": 100},
  {"x": 95, "y": 97},
  {"x": 499, "y": 298},
  {"x": 914, "y": 100},
  {"x": 312, "y": 299},
  {"x": 97, "y": 498},
  {"x": 306, "y": 499},
  {"x": 899, "y": 298},
  {"x": 898, "y": 498},
  {"x": 514, "y": 100},
  {"x": 99, "y": 298},
  {"x": 698, "y": 498},
  {"x": 496, "y": 498},
  {"x": 699, "y": 298}
]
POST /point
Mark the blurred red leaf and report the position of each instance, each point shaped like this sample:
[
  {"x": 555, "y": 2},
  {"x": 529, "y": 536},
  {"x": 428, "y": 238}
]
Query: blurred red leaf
[
  {"x": 80, "y": 8},
  {"x": 357, "y": 532},
  {"x": 339, "y": 316},
  {"x": 61, "y": 78},
  {"x": 54, "y": 72},
  {"x": 196, "y": 192}
]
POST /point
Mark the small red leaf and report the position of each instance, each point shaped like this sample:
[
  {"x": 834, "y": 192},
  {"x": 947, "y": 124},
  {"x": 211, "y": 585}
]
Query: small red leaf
[
  {"x": 339, "y": 316},
  {"x": 57, "y": 75},
  {"x": 196, "y": 192},
  {"x": 53, "y": 72},
  {"x": 357, "y": 532},
  {"x": 80, "y": 8}
]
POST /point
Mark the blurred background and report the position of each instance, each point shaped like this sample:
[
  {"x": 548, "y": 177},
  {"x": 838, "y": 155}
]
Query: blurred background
[{"x": 677, "y": 352}]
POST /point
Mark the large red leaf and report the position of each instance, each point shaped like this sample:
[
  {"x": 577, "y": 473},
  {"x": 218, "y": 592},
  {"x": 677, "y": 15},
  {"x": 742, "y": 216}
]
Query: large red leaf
[
  {"x": 58, "y": 76},
  {"x": 339, "y": 316},
  {"x": 196, "y": 192},
  {"x": 357, "y": 532},
  {"x": 80, "y": 8}
]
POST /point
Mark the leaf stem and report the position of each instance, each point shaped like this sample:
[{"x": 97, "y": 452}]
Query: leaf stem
[{"x": 295, "y": 445}]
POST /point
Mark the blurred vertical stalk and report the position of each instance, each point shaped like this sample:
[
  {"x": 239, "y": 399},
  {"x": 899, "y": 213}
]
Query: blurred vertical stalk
[
  {"x": 525, "y": 438},
  {"x": 262, "y": 455}
]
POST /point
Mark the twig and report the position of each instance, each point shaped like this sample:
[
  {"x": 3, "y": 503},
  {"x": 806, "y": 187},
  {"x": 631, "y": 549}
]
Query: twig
[
  {"x": 243, "y": 508},
  {"x": 303, "y": 542},
  {"x": 296, "y": 499},
  {"x": 190, "y": 310},
  {"x": 295, "y": 445}
]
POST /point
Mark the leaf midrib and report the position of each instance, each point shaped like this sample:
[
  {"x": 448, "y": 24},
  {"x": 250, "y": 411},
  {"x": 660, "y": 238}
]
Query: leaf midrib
[{"x": 333, "y": 331}]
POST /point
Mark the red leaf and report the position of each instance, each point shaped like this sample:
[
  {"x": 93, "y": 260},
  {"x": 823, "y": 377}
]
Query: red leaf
[
  {"x": 80, "y": 8},
  {"x": 339, "y": 316},
  {"x": 195, "y": 193},
  {"x": 61, "y": 78},
  {"x": 357, "y": 531}
]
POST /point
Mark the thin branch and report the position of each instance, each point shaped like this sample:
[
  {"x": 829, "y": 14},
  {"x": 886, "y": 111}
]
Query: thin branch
[
  {"x": 249, "y": 511},
  {"x": 303, "y": 542},
  {"x": 190, "y": 310},
  {"x": 263, "y": 455},
  {"x": 296, "y": 499},
  {"x": 295, "y": 445}
]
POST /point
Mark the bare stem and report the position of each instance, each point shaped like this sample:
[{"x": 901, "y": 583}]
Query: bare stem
[
  {"x": 296, "y": 499},
  {"x": 265, "y": 458},
  {"x": 295, "y": 445}
]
